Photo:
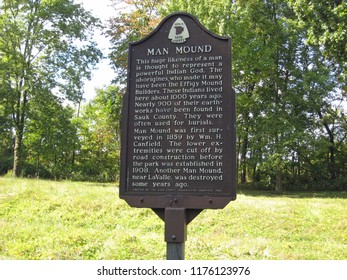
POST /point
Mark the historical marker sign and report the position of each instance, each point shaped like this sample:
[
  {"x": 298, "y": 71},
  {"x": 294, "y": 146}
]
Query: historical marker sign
[{"x": 178, "y": 128}]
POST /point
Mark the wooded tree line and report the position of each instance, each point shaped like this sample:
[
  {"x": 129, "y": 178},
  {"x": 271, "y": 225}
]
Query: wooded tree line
[{"x": 289, "y": 73}]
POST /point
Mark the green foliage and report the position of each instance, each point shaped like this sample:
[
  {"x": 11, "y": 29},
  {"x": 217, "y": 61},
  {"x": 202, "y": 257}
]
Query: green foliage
[
  {"x": 129, "y": 27},
  {"x": 327, "y": 23},
  {"x": 6, "y": 152},
  {"x": 291, "y": 125},
  {"x": 49, "y": 148},
  {"x": 289, "y": 73},
  {"x": 61, "y": 143},
  {"x": 70, "y": 220},
  {"x": 99, "y": 133},
  {"x": 39, "y": 50}
]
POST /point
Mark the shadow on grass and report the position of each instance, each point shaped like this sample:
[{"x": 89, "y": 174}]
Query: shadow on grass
[
  {"x": 251, "y": 191},
  {"x": 248, "y": 191},
  {"x": 103, "y": 185}
]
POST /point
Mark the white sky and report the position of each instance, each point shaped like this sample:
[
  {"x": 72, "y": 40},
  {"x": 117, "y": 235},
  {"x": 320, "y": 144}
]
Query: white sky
[{"x": 104, "y": 74}]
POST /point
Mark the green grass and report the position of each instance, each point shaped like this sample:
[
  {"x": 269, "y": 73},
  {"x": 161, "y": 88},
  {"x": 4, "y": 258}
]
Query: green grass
[{"x": 73, "y": 220}]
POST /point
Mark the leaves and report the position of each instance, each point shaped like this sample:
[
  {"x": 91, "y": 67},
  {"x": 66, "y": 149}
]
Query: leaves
[
  {"x": 99, "y": 131},
  {"x": 327, "y": 24},
  {"x": 281, "y": 84},
  {"x": 129, "y": 27},
  {"x": 39, "y": 49},
  {"x": 289, "y": 73}
]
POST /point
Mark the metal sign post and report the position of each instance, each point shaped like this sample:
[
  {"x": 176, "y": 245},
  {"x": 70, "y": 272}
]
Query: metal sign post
[
  {"x": 175, "y": 232},
  {"x": 176, "y": 222}
]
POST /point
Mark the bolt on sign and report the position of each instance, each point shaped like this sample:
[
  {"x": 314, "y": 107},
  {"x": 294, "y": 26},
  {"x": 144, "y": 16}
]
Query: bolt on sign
[{"x": 178, "y": 125}]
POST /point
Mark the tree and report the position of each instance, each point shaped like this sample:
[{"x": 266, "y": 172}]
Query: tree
[
  {"x": 327, "y": 23},
  {"x": 272, "y": 66},
  {"x": 98, "y": 156},
  {"x": 5, "y": 140},
  {"x": 142, "y": 18},
  {"x": 46, "y": 46},
  {"x": 324, "y": 94},
  {"x": 291, "y": 123},
  {"x": 50, "y": 140}
]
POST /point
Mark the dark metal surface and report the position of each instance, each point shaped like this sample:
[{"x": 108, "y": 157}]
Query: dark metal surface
[
  {"x": 196, "y": 175},
  {"x": 175, "y": 251},
  {"x": 190, "y": 214},
  {"x": 175, "y": 225}
]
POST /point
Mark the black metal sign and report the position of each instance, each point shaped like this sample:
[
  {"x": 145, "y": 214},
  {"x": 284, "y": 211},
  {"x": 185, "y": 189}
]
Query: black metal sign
[{"x": 178, "y": 127}]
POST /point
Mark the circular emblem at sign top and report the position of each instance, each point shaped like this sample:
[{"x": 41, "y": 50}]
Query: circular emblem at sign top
[{"x": 179, "y": 32}]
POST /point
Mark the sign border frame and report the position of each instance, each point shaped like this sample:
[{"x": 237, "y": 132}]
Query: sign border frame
[{"x": 160, "y": 201}]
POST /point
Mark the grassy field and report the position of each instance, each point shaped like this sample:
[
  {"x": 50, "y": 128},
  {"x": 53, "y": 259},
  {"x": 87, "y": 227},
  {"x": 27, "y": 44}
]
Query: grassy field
[{"x": 73, "y": 220}]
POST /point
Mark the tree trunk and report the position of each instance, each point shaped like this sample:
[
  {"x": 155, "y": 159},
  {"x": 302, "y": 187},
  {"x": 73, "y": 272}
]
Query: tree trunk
[
  {"x": 74, "y": 141},
  {"x": 279, "y": 188},
  {"x": 17, "y": 155},
  {"x": 244, "y": 159},
  {"x": 331, "y": 158},
  {"x": 19, "y": 118}
]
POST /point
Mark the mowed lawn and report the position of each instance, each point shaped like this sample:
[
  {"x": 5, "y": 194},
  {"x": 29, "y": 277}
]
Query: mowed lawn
[{"x": 74, "y": 220}]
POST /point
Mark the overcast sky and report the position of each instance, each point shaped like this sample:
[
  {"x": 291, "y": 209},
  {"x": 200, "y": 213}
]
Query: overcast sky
[{"x": 104, "y": 74}]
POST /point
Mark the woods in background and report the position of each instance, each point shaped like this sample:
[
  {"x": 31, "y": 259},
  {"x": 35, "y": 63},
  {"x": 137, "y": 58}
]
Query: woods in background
[{"x": 289, "y": 73}]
